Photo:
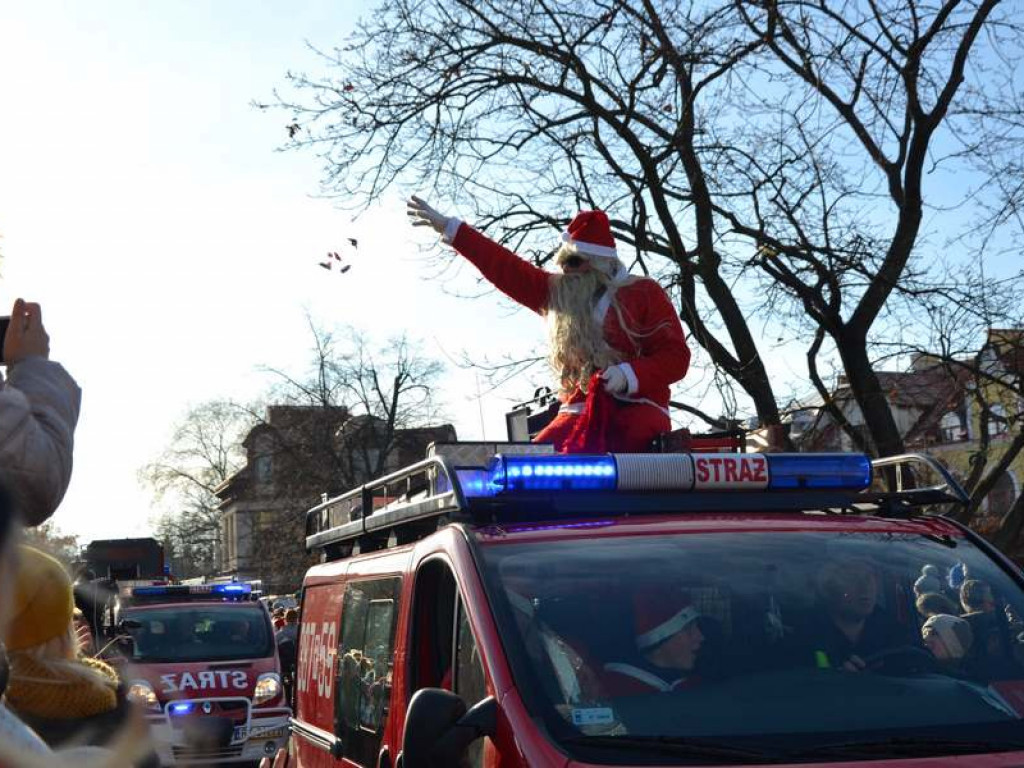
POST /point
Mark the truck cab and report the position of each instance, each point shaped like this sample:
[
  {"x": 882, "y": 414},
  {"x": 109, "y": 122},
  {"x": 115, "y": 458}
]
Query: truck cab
[
  {"x": 202, "y": 663},
  {"x": 499, "y": 605}
]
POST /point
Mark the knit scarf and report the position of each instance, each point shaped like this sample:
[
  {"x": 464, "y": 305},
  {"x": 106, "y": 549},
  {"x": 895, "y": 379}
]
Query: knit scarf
[{"x": 57, "y": 692}]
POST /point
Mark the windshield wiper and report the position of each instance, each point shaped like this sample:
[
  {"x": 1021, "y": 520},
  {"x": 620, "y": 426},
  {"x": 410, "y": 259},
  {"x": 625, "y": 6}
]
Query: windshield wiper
[
  {"x": 906, "y": 747},
  {"x": 674, "y": 745}
]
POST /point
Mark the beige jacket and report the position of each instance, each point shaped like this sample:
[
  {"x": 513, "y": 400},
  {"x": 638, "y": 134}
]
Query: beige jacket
[{"x": 39, "y": 405}]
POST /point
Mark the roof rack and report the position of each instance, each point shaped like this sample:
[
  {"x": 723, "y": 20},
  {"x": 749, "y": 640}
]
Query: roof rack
[
  {"x": 904, "y": 476},
  {"x": 413, "y": 502},
  {"x": 405, "y": 504}
]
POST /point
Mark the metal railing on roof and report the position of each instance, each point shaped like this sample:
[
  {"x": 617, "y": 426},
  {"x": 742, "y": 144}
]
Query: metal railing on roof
[{"x": 415, "y": 501}]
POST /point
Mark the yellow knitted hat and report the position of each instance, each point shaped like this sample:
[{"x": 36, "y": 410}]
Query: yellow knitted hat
[{"x": 43, "y": 600}]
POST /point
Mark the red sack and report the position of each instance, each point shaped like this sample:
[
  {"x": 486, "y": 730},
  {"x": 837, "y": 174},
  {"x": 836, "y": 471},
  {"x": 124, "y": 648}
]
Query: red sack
[{"x": 590, "y": 431}]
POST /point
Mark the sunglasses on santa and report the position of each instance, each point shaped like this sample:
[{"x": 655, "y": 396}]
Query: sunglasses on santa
[{"x": 573, "y": 262}]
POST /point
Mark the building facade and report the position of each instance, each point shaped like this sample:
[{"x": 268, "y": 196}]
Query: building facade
[
  {"x": 961, "y": 413},
  {"x": 293, "y": 457}
]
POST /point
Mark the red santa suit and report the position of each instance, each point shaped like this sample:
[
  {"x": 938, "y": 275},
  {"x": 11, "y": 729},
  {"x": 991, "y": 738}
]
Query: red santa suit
[
  {"x": 654, "y": 352},
  {"x": 619, "y": 679}
]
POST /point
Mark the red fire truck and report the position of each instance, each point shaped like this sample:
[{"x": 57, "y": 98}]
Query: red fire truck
[
  {"x": 201, "y": 660},
  {"x": 532, "y": 609}
]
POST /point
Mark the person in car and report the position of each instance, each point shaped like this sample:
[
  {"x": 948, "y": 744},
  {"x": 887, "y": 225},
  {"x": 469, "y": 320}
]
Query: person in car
[
  {"x": 848, "y": 625},
  {"x": 933, "y": 603},
  {"x": 993, "y": 654},
  {"x": 949, "y": 638},
  {"x": 927, "y": 585},
  {"x": 976, "y": 597},
  {"x": 668, "y": 640}
]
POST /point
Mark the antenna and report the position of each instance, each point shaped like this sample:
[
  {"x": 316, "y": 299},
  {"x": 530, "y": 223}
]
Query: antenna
[{"x": 480, "y": 406}]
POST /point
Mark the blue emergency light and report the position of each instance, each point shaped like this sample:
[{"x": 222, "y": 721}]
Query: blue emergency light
[
  {"x": 180, "y": 707},
  {"x": 231, "y": 589},
  {"x": 673, "y": 472},
  {"x": 553, "y": 473},
  {"x": 819, "y": 471},
  {"x": 193, "y": 590}
]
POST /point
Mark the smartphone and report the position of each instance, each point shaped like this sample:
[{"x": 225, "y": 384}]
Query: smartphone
[{"x": 4, "y": 322}]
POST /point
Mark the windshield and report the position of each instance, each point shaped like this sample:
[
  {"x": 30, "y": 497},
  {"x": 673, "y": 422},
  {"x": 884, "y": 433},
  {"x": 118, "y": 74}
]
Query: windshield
[
  {"x": 785, "y": 641},
  {"x": 200, "y": 633}
]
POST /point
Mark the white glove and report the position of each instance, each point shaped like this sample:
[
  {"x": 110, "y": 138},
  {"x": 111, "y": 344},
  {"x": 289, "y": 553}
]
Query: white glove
[
  {"x": 614, "y": 379},
  {"x": 422, "y": 215}
]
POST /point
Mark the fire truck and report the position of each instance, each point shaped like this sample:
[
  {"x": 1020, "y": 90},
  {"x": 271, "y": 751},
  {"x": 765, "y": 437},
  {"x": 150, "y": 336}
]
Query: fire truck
[
  {"x": 503, "y": 605},
  {"x": 201, "y": 661},
  {"x": 119, "y": 559}
]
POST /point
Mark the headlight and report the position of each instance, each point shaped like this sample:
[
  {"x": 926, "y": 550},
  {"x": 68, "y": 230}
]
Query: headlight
[
  {"x": 267, "y": 687},
  {"x": 142, "y": 693}
]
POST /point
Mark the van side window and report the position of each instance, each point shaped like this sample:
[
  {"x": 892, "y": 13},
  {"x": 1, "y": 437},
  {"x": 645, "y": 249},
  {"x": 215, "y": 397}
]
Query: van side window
[
  {"x": 470, "y": 683},
  {"x": 366, "y": 654},
  {"x": 445, "y": 654},
  {"x": 469, "y": 671}
]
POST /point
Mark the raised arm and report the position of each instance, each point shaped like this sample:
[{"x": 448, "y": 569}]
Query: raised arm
[
  {"x": 38, "y": 412},
  {"x": 517, "y": 278}
]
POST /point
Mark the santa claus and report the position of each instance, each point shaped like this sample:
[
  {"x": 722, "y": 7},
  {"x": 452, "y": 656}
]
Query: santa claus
[
  {"x": 668, "y": 641},
  {"x": 603, "y": 323}
]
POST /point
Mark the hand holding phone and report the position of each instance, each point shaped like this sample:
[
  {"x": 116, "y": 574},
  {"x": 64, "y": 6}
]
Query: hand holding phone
[{"x": 24, "y": 335}]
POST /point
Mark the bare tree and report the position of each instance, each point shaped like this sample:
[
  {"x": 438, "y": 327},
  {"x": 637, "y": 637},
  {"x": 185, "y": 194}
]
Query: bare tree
[
  {"x": 367, "y": 395},
  {"x": 358, "y": 411},
  {"x": 973, "y": 327},
  {"x": 205, "y": 450},
  {"x": 768, "y": 161}
]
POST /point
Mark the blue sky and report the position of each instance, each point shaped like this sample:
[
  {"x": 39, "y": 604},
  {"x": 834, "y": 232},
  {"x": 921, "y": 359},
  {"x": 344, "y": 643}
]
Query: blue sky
[{"x": 174, "y": 251}]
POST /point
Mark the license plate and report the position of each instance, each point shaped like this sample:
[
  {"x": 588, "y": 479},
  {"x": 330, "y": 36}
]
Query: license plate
[
  {"x": 268, "y": 732},
  {"x": 239, "y": 733}
]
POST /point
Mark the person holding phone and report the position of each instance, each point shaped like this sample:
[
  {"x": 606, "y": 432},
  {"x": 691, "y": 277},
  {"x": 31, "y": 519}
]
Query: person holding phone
[{"x": 39, "y": 406}]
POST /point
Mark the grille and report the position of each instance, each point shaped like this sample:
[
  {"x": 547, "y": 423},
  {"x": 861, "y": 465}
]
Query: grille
[{"x": 187, "y": 753}]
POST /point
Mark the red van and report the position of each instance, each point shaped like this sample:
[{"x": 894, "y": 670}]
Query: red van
[
  {"x": 202, "y": 662},
  {"x": 647, "y": 610}
]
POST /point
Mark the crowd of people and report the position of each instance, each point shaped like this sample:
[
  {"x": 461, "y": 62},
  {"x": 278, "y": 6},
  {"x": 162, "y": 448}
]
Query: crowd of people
[
  {"x": 286, "y": 635},
  {"x": 57, "y": 704},
  {"x": 962, "y": 632},
  {"x": 962, "y": 628}
]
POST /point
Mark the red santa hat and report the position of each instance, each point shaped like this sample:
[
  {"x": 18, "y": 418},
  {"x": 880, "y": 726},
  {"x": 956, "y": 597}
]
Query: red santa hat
[
  {"x": 590, "y": 235},
  {"x": 658, "y": 616}
]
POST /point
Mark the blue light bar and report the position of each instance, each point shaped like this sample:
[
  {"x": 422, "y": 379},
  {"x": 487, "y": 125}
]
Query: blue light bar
[
  {"x": 474, "y": 482},
  {"x": 561, "y": 472},
  {"x": 180, "y": 707},
  {"x": 818, "y": 471},
  {"x": 650, "y": 473},
  {"x": 193, "y": 590},
  {"x": 231, "y": 589}
]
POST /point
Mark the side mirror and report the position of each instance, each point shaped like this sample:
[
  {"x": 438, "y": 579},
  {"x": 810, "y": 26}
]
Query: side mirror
[{"x": 438, "y": 729}]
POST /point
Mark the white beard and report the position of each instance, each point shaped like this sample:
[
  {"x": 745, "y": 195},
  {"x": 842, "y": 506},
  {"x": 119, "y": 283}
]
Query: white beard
[{"x": 578, "y": 346}]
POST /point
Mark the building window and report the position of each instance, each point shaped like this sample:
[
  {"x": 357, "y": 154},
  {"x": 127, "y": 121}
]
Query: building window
[
  {"x": 952, "y": 428},
  {"x": 997, "y": 422},
  {"x": 263, "y": 469}
]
